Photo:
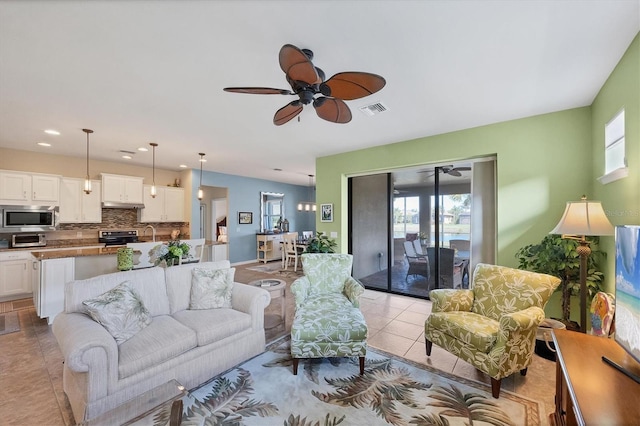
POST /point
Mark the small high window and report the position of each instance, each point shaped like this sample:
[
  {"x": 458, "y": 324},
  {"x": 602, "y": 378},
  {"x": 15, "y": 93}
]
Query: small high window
[{"x": 614, "y": 154}]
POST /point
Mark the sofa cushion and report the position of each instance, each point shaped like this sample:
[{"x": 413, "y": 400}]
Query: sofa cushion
[
  {"x": 178, "y": 280},
  {"x": 148, "y": 283},
  {"x": 164, "y": 339},
  {"x": 475, "y": 330},
  {"x": 211, "y": 288},
  {"x": 212, "y": 325},
  {"x": 329, "y": 318},
  {"x": 120, "y": 311}
]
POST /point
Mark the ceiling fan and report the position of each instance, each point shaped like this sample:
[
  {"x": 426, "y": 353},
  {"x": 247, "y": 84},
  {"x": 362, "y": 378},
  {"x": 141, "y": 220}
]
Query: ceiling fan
[
  {"x": 307, "y": 81},
  {"x": 449, "y": 170}
]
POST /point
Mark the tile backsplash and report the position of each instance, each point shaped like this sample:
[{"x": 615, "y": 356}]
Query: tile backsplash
[{"x": 84, "y": 233}]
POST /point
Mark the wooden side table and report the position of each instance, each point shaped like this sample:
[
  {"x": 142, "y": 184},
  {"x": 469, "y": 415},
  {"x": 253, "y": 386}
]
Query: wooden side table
[{"x": 276, "y": 289}]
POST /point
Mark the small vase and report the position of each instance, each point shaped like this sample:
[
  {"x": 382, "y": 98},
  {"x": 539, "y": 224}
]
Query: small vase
[{"x": 125, "y": 259}]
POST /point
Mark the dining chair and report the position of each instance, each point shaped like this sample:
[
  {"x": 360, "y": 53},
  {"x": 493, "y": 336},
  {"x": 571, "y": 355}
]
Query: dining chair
[
  {"x": 291, "y": 249},
  {"x": 462, "y": 249},
  {"x": 447, "y": 271}
]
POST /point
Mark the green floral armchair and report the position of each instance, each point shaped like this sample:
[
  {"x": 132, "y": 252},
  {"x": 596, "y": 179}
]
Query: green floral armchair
[
  {"x": 493, "y": 325},
  {"x": 327, "y": 321}
]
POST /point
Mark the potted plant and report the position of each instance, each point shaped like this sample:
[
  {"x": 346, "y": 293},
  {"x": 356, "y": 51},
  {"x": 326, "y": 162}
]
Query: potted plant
[
  {"x": 558, "y": 256},
  {"x": 321, "y": 244},
  {"x": 172, "y": 252}
]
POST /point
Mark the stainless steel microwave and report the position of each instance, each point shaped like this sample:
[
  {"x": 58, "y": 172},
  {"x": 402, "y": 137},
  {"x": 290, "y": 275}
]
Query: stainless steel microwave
[{"x": 29, "y": 218}]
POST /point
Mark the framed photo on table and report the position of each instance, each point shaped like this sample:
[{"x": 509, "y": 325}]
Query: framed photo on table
[
  {"x": 245, "y": 218},
  {"x": 326, "y": 212}
]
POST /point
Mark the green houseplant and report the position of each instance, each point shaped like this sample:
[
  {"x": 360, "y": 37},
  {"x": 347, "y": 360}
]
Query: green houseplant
[
  {"x": 321, "y": 244},
  {"x": 558, "y": 256}
]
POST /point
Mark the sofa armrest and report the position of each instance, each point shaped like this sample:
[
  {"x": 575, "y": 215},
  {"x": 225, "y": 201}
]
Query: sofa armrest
[
  {"x": 250, "y": 300},
  {"x": 300, "y": 289},
  {"x": 518, "y": 323},
  {"x": 448, "y": 300},
  {"x": 353, "y": 289},
  {"x": 76, "y": 334},
  {"x": 87, "y": 347}
]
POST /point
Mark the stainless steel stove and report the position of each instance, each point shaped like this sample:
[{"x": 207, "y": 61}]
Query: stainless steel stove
[{"x": 117, "y": 237}]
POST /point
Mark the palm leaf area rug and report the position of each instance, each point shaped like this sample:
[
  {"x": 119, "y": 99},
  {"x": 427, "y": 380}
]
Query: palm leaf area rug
[{"x": 330, "y": 392}]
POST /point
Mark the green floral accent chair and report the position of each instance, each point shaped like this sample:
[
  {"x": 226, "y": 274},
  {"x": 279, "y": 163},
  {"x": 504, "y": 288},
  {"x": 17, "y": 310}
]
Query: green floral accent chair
[
  {"x": 493, "y": 325},
  {"x": 327, "y": 321}
]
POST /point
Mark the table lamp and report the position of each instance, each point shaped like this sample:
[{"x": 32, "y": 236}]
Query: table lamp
[{"x": 580, "y": 219}]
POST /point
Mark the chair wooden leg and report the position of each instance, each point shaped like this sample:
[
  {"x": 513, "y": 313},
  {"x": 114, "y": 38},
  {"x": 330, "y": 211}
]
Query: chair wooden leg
[
  {"x": 495, "y": 387},
  {"x": 295, "y": 366},
  {"x": 361, "y": 365},
  {"x": 428, "y": 345},
  {"x": 523, "y": 372}
]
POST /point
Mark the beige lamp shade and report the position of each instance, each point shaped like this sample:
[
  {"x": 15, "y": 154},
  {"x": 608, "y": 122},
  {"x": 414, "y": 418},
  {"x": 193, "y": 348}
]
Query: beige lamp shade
[{"x": 584, "y": 218}]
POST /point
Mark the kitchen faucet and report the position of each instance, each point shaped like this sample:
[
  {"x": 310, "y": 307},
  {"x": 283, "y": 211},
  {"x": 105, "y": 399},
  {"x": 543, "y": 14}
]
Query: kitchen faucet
[{"x": 153, "y": 232}]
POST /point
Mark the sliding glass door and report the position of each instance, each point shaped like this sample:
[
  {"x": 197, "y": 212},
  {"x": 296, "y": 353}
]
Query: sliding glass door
[{"x": 413, "y": 230}]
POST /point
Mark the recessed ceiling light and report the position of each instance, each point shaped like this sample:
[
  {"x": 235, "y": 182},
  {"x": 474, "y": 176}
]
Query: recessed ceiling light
[
  {"x": 183, "y": 166},
  {"x": 44, "y": 144},
  {"x": 143, "y": 149},
  {"x": 203, "y": 160},
  {"x": 52, "y": 132},
  {"x": 126, "y": 157}
]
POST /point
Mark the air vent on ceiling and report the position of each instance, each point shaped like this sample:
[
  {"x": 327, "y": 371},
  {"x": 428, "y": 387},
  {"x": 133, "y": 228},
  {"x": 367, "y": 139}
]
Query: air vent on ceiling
[
  {"x": 127, "y": 152},
  {"x": 373, "y": 109}
]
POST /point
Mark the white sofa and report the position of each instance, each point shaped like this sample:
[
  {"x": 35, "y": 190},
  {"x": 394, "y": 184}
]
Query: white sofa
[{"x": 190, "y": 346}]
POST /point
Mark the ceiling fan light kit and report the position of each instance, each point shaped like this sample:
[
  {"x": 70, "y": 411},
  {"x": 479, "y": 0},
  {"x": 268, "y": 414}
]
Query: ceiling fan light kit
[{"x": 307, "y": 81}]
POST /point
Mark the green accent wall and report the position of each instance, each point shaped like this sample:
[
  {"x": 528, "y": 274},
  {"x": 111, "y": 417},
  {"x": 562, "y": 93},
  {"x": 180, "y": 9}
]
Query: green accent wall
[
  {"x": 542, "y": 162},
  {"x": 538, "y": 169},
  {"x": 620, "y": 199}
]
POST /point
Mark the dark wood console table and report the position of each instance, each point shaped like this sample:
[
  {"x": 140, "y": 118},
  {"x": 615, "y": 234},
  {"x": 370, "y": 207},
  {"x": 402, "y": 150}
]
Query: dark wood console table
[{"x": 588, "y": 390}]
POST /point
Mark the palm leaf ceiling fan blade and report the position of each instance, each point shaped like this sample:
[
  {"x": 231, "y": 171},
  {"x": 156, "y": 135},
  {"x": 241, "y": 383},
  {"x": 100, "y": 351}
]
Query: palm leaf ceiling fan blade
[
  {"x": 297, "y": 65},
  {"x": 307, "y": 81},
  {"x": 287, "y": 112},
  {"x": 352, "y": 85},
  {"x": 258, "y": 90},
  {"x": 331, "y": 109}
]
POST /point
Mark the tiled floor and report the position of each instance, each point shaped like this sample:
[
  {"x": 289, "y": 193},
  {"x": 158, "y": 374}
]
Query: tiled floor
[{"x": 31, "y": 363}]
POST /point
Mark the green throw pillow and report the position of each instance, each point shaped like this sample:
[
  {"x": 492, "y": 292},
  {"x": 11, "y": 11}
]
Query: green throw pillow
[
  {"x": 119, "y": 310},
  {"x": 211, "y": 288}
]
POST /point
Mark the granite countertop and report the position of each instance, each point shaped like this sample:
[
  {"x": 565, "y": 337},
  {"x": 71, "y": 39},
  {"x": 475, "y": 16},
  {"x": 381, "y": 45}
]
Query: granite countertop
[{"x": 74, "y": 252}]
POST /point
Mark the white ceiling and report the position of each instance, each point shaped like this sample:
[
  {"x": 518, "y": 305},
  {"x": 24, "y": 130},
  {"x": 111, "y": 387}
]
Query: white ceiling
[{"x": 153, "y": 71}]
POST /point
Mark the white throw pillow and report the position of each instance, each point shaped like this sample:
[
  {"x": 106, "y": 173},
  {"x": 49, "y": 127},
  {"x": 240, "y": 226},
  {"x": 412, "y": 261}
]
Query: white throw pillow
[
  {"x": 211, "y": 288},
  {"x": 119, "y": 310}
]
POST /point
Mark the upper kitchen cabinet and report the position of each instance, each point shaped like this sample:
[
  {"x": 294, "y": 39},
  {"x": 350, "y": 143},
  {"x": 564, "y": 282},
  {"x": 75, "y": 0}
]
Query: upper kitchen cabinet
[
  {"x": 121, "y": 191},
  {"x": 167, "y": 206},
  {"x": 78, "y": 207},
  {"x": 20, "y": 188}
]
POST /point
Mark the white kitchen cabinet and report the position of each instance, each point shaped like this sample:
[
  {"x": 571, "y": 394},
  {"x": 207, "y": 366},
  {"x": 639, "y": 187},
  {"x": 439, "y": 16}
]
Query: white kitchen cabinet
[
  {"x": 220, "y": 252},
  {"x": 167, "y": 206},
  {"x": 15, "y": 274},
  {"x": 54, "y": 274},
  {"x": 78, "y": 207},
  {"x": 122, "y": 189},
  {"x": 29, "y": 188}
]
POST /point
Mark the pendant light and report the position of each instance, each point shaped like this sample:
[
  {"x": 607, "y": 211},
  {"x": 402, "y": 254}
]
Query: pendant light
[
  {"x": 200, "y": 192},
  {"x": 308, "y": 206},
  {"x": 153, "y": 171},
  {"x": 87, "y": 180}
]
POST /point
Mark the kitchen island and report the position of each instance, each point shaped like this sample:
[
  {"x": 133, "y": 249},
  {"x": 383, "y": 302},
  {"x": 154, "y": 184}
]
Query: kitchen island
[{"x": 55, "y": 267}]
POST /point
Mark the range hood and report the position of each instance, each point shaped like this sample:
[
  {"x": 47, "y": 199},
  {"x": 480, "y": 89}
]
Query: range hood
[{"x": 121, "y": 205}]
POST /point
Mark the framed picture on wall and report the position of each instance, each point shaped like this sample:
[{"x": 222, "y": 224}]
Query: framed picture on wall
[
  {"x": 326, "y": 212},
  {"x": 245, "y": 217}
]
